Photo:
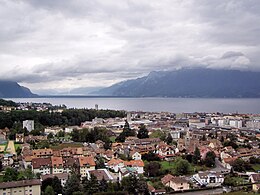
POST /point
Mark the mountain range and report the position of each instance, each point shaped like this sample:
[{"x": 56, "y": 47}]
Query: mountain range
[
  {"x": 11, "y": 89},
  {"x": 189, "y": 83}
]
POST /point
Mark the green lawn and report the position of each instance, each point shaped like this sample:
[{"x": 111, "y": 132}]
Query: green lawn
[
  {"x": 167, "y": 165},
  {"x": 256, "y": 167},
  {"x": 242, "y": 193},
  {"x": 66, "y": 145},
  {"x": 1, "y": 178},
  {"x": 112, "y": 139},
  {"x": 17, "y": 146}
]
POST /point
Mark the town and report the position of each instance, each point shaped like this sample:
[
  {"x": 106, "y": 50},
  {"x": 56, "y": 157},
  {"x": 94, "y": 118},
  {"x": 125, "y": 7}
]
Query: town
[{"x": 47, "y": 149}]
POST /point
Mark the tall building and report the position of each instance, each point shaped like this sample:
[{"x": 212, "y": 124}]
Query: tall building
[
  {"x": 29, "y": 125},
  {"x": 96, "y": 106}
]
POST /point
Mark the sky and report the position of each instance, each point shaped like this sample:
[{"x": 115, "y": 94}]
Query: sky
[{"x": 58, "y": 45}]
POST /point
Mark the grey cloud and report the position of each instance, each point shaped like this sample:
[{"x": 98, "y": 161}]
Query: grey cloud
[{"x": 83, "y": 43}]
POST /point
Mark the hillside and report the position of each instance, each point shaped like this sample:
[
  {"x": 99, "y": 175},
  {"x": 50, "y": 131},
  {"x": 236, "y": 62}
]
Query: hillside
[{"x": 190, "y": 83}]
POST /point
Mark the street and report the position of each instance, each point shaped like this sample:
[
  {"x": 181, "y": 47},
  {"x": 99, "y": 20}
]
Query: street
[{"x": 202, "y": 192}]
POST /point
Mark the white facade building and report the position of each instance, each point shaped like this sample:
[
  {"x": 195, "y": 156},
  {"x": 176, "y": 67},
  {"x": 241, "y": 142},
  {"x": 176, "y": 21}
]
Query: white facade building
[{"x": 29, "y": 125}]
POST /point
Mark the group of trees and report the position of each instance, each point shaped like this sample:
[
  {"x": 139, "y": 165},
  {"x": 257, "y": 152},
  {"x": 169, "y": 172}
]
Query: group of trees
[
  {"x": 51, "y": 186},
  {"x": 196, "y": 159},
  {"x": 68, "y": 117},
  {"x": 131, "y": 184},
  {"x": 127, "y": 132},
  {"x": 12, "y": 174},
  {"x": 91, "y": 136}
]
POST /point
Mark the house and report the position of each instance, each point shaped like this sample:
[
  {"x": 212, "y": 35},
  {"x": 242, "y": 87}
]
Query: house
[
  {"x": 125, "y": 172},
  {"x": 165, "y": 151},
  {"x": 21, "y": 187},
  {"x": 57, "y": 165},
  {"x": 102, "y": 174},
  {"x": 255, "y": 180},
  {"x": 86, "y": 164},
  {"x": 135, "y": 155},
  {"x": 166, "y": 179},
  {"x": 209, "y": 178},
  {"x": 153, "y": 191},
  {"x": 41, "y": 165},
  {"x": 63, "y": 177},
  {"x": 70, "y": 164},
  {"x": 115, "y": 164},
  {"x": 176, "y": 183},
  {"x": 138, "y": 165},
  {"x": 19, "y": 137},
  {"x": 8, "y": 160},
  {"x": 47, "y": 152}
]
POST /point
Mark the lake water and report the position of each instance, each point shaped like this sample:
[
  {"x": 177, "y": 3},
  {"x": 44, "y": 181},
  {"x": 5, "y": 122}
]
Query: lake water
[{"x": 176, "y": 105}]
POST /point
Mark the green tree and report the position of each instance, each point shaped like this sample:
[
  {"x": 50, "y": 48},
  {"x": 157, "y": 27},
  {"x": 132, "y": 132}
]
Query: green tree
[
  {"x": 49, "y": 191},
  {"x": 196, "y": 156},
  {"x": 91, "y": 185},
  {"x": 134, "y": 185},
  {"x": 169, "y": 139},
  {"x": 181, "y": 167},
  {"x": 56, "y": 184},
  {"x": 142, "y": 132},
  {"x": 150, "y": 156},
  {"x": 240, "y": 165},
  {"x": 158, "y": 134},
  {"x": 103, "y": 185},
  {"x": 50, "y": 136},
  {"x": 72, "y": 184},
  {"x": 152, "y": 169},
  {"x": 11, "y": 174},
  {"x": 209, "y": 160}
]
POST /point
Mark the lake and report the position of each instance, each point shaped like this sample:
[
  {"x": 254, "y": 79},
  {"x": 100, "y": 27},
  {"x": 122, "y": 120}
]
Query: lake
[{"x": 176, "y": 105}]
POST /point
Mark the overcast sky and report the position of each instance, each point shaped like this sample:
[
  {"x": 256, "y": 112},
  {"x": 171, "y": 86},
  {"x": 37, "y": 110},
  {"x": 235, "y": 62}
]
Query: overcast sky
[{"x": 66, "y": 44}]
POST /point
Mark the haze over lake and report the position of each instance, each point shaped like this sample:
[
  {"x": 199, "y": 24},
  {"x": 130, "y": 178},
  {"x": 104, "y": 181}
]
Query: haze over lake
[{"x": 176, "y": 105}]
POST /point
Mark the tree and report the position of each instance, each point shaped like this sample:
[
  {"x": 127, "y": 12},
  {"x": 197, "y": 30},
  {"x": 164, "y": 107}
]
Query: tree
[
  {"x": 209, "y": 160},
  {"x": 91, "y": 185},
  {"x": 134, "y": 185},
  {"x": 60, "y": 134},
  {"x": 72, "y": 184},
  {"x": 181, "y": 167},
  {"x": 56, "y": 184},
  {"x": 152, "y": 169},
  {"x": 103, "y": 185},
  {"x": 49, "y": 191},
  {"x": 10, "y": 174},
  {"x": 150, "y": 156},
  {"x": 158, "y": 134},
  {"x": 196, "y": 156},
  {"x": 240, "y": 165},
  {"x": 143, "y": 132},
  {"x": 127, "y": 131},
  {"x": 230, "y": 143},
  {"x": 50, "y": 136},
  {"x": 169, "y": 139}
]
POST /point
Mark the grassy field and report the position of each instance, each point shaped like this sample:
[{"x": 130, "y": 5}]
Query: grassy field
[
  {"x": 17, "y": 146},
  {"x": 241, "y": 193},
  {"x": 66, "y": 145},
  {"x": 167, "y": 165},
  {"x": 256, "y": 167}
]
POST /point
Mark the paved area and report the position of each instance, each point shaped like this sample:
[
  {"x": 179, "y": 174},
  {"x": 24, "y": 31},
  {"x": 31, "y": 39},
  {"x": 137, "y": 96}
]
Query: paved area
[
  {"x": 219, "y": 167},
  {"x": 202, "y": 192},
  {"x": 10, "y": 147}
]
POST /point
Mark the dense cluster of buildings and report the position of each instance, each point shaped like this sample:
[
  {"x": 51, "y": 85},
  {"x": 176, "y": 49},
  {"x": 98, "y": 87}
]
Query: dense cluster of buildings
[{"x": 205, "y": 131}]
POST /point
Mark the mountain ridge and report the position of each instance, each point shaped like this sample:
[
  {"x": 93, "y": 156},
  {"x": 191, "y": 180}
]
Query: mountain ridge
[
  {"x": 11, "y": 89},
  {"x": 199, "y": 82}
]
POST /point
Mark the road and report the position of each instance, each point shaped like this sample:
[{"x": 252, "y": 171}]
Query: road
[
  {"x": 202, "y": 192},
  {"x": 10, "y": 147},
  {"x": 219, "y": 167}
]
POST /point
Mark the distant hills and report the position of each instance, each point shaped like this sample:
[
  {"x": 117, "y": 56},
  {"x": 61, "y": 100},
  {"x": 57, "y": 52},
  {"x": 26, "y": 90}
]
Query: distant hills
[
  {"x": 189, "y": 83},
  {"x": 10, "y": 89}
]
